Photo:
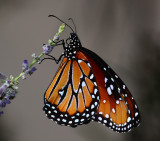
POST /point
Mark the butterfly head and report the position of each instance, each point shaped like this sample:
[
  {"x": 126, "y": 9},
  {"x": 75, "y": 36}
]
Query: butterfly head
[
  {"x": 74, "y": 41},
  {"x": 72, "y": 45}
]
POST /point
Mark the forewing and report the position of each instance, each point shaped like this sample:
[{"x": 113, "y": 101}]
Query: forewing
[{"x": 72, "y": 97}]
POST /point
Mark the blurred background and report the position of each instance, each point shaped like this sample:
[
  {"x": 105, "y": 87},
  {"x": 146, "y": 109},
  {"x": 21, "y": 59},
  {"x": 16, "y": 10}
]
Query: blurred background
[{"x": 125, "y": 33}]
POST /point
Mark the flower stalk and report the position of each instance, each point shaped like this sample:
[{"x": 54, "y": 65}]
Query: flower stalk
[{"x": 9, "y": 87}]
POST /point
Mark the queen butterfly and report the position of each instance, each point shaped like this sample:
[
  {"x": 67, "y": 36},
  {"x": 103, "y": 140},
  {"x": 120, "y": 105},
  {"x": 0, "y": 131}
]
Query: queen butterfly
[{"x": 86, "y": 89}]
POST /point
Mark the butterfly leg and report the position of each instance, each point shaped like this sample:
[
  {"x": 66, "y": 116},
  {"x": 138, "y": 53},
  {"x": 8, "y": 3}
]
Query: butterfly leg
[
  {"x": 61, "y": 42},
  {"x": 52, "y": 58}
]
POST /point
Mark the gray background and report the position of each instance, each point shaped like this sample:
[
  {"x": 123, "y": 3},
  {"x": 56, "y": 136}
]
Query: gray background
[{"x": 125, "y": 33}]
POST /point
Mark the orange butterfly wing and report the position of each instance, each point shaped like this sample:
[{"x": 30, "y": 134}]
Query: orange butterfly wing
[
  {"x": 72, "y": 97},
  {"x": 117, "y": 109}
]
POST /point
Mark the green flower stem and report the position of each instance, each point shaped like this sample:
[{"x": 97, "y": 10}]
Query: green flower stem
[{"x": 51, "y": 42}]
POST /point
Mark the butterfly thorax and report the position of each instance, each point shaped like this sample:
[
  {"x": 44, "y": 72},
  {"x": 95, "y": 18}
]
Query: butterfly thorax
[{"x": 72, "y": 46}]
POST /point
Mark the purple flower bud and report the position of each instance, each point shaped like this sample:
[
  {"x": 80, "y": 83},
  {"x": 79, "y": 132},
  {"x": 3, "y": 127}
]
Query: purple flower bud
[
  {"x": 1, "y": 112},
  {"x": 33, "y": 69},
  {"x": 8, "y": 99},
  {"x": 25, "y": 65},
  {"x": 47, "y": 49},
  {"x": 3, "y": 88},
  {"x": 57, "y": 37},
  {"x": 3, "y": 103}
]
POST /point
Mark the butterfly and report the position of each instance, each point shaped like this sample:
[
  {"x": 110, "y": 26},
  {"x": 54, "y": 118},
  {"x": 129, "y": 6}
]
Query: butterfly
[{"x": 85, "y": 89}]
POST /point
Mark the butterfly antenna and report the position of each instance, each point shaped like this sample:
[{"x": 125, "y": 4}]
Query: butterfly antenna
[
  {"x": 73, "y": 24},
  {"x": 61, "y": 21}
]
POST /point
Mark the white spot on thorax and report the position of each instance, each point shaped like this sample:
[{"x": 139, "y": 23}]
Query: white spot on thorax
[{"x": 104, "y": 101}]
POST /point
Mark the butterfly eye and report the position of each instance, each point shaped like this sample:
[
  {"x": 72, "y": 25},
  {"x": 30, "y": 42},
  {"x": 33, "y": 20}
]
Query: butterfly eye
[{"x": 68, "y": 41}]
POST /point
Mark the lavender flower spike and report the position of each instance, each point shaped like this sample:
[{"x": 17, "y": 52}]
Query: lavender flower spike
[
  {"x": 8, "y": 90},
  {"x": 27, "y": 69},
  {"x": 25, "y": 65},
  {"x": 47, "y": 49}
]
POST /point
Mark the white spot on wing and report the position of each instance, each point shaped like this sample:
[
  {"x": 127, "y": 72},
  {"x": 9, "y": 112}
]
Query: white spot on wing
[
  {"x": 105, "y": 79},
  {"x": 112, "y": 79},
  {"x": 88, "y": 64},
  {"x": 136, "y": 114},
  {"x": 95, "y": 91},
  {"x": 83, "y": 84},
  {"x": 91, "y": 77},
  {"x": 113, "y": 110},
  {"x": 119, "y": 90},
  {"x": 79, "y": 61},
  {"x": 61, "y": 93},
  {"x": 76, "y": 120},
  {"x": 109, "y": 91},
  {"x": 111, "y": 86},
  {"x": 107, "y": 116},
  {"x": 128, "y": 119},
  {"x": 117, "y": 101},
  {"x": 100, "y": 118},
  {"x": 92, "y": 106}
]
